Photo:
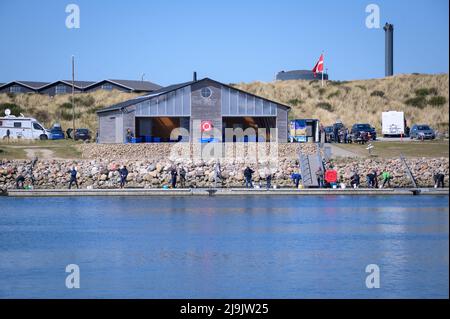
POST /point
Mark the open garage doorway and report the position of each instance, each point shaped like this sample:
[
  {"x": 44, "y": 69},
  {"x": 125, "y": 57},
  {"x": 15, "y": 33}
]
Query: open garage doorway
[
  {"x": 159, "y": 129},
  {"x": 249, "y": 122}
]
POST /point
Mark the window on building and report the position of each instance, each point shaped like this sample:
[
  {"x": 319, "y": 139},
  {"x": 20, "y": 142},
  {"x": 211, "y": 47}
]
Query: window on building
[
  {"x": 15, "y": 89},
  {"x": 107, "y": 87},
  {"x": 17, "y": 124},
  {"x": 60, "y": 89},
  {"x": 206, "y": 92}
]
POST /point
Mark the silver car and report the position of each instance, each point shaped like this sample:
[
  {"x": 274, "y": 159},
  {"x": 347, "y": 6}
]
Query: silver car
[{"x": 422, "y": 132}]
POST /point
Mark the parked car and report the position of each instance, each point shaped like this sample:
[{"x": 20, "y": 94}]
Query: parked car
[
  {"x": 422, "y": 132},
  {"x": 56, "y": 133},
  {"x": 359, "y": 128},
  {"x": 328, "y": 133},
  {"x": 82, "y": 134}
]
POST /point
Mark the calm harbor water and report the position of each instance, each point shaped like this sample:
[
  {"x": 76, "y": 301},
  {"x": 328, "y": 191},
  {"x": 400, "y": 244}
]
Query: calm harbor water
[{"x": 225, "y": 247}]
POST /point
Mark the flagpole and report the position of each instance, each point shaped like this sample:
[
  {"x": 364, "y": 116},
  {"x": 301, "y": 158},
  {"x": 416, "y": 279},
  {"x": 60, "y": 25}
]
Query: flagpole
[{"x": 323, "y": 66}]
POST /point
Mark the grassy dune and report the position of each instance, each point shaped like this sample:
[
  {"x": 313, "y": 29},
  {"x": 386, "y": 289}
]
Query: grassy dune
[
  {"x": 363, "y": 100},
  {"x": 423, "y": 98},
  {"x": 49, "y": 110}
]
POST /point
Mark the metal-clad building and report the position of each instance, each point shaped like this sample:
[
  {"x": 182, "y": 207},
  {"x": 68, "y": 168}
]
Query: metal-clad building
[
  {"x": 187, "y": 104},
  {"x": 300, "y": 75},
  {"x": 64, "y": 87},
  {"x": 21, "y": 87}
]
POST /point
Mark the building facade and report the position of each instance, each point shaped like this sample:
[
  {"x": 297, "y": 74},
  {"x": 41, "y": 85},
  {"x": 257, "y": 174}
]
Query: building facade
[
  {"x": 299, "y": 75},
  {"x": 191, "y": 107}
]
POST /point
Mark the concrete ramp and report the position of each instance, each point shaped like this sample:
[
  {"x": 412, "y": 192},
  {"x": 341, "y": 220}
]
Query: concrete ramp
[{"x": 309, "y": 164}]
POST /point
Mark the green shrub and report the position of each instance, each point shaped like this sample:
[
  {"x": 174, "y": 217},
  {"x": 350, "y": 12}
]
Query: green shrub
[
  {"x": 67, "y": 115},
  {"x": 322, "y": 91},
  {"x": 94, "y": 109},
  {"x": 42, "y": 116},
  {"x": 418, "y": 101},
  {"x": 433, "y": 91},
  {"x": 437, "y": 101},
  {"x": 362, "y": 87},
  {"x": 338, "y": 82},
  {"x": 377, "y": 93},
  {"x": 425, "y": 91},
  {"x": 325, "y": 105},
  {"x": 334, "y": 94},
  {"x": 14, "y": 108},
  {"x": 66, "y": 106},
  {"x": 84, "y": 100},
  {"x": 294, "y": 102}
]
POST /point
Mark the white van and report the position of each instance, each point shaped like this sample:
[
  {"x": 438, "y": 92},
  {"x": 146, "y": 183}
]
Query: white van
[
  {"x": 393, "y": 123},
  {"x": 22, "y": 128}
]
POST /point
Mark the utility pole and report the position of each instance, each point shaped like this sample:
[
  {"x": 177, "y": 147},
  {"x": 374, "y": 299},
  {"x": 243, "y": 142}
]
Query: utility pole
[{"x": 73, "y": 99}]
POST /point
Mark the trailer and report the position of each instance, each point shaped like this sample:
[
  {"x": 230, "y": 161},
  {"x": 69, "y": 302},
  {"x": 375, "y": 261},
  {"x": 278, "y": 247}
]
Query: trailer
[
  {"x": 20, "y": 127},
  {"x": 393, "y": 123}
]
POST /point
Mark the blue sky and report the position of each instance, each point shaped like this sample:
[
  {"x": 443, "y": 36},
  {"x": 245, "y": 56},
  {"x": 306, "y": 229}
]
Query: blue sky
[{"x": 230, "y": 41}]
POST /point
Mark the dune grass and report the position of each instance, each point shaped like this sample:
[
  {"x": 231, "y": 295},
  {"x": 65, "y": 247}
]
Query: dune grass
[
  {"x": 423, "y": 98},
  {"x": 58, "y": 109}
]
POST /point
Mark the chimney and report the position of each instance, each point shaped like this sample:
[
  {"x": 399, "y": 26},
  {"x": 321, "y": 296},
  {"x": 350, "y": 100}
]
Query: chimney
[
  {"x": 194, "y": 76},
  {"x": 389, "y": 49}
]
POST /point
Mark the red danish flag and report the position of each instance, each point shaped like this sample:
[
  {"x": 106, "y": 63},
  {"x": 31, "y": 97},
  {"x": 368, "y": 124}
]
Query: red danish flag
[{"x": 319, "y": 66}]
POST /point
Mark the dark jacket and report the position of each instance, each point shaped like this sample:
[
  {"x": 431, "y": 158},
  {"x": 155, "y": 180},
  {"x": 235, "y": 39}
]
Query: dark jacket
[
  {"x": 248, "y": 172},
  {"x": 123, "y": 172}
]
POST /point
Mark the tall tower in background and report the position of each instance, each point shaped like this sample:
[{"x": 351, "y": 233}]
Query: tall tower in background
[{"x": 389, "y": 49}]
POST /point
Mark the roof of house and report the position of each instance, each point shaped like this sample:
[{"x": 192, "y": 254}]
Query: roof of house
[
  {"x": 132, "y": 85},
  {"x": 171, "y": 88},
  {"x": 77, "y": 84},
  {"x": 138, "y": 85},
  {"x": 30, "y": 84},
  {"x": 297, "y": 72}
]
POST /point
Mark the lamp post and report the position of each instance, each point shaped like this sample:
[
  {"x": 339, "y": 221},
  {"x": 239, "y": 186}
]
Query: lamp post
[{"x": 73, "y": 99}]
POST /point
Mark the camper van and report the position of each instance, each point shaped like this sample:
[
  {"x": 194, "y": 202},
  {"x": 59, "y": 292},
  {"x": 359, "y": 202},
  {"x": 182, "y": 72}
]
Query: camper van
[
  {"x": 393, "y": 123},
  {"x": 20, "y": 127}
]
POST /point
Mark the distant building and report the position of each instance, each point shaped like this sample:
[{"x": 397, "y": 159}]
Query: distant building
[
  {"x": 65, "y": 86},
  {"x": 300, "y": 75},
  {"x": 124, "y": 85},
  {"x": 21, "y": 87},
  {"x": 154, "y": 116}
]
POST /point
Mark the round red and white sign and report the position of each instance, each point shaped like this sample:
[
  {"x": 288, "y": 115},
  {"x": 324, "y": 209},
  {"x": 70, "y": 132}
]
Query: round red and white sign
[{"x": 206, "y": 126}]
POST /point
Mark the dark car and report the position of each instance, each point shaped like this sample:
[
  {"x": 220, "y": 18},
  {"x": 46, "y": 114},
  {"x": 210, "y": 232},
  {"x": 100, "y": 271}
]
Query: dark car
[
  {"x": 422, "y": 132},
  {"x": 361, "y": 128},
  {"x": 82, "y": 134},
  {"x": 328, "y": 133},
  {"x": 56, "y": 133}
]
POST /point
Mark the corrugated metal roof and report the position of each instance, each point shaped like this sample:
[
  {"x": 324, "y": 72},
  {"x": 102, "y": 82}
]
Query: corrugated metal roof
[
  {"x": 139, "y": 99},
  {"x": 171, "y": 88}
]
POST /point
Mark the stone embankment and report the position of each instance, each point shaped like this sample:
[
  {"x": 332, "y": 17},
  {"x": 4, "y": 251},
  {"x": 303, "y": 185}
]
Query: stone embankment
[{"x": 155, "y": 173}]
